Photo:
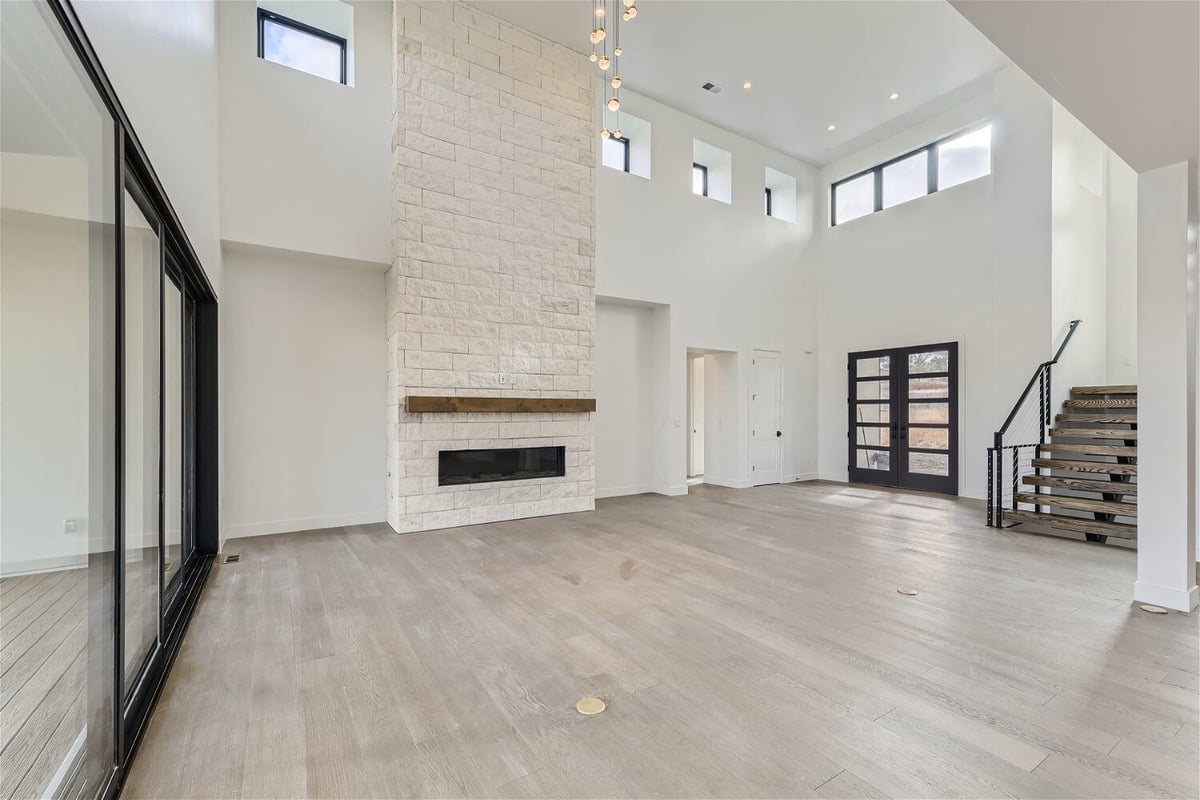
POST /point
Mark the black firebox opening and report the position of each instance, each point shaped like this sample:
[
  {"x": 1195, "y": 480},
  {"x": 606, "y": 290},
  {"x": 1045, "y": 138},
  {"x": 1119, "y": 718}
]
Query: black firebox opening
[{"x": 506, "y": 464}]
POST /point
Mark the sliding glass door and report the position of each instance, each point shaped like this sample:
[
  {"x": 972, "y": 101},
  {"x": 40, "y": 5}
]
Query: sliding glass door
[{"x": 99, "y": 291}]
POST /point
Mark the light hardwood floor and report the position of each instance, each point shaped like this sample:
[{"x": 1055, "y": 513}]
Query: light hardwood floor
[
  {"x": 43, "y": 666},
  {"x": 749, "y": 644}
]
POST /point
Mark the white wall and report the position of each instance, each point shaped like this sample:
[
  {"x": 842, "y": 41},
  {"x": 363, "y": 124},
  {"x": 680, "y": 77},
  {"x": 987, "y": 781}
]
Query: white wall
[
  {"x": 162, "y": 60},
  {"x": 732, "y": 278},
  {"x": 305, "y": 162},
  {"x": 1121, "y": 274},
  {"x": 624, "y": 418},
  {"x": 304, "y": 393}
]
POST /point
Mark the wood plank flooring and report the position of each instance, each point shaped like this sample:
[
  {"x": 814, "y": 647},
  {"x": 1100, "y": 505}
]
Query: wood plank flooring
[
  {"x": 749, "y": 643},
  {"x": 43, "y": 639}
]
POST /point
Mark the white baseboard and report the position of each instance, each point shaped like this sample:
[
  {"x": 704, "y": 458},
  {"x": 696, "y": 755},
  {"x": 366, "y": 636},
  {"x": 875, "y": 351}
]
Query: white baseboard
[
  {"x": 248, "y": 529},
  {"x": 1177, "y": 599},
  {"x": 800, "y": 476},
  {"x": 621, "y": 491},
  {"x": 728, "y": 483},
  {"x": 35, "y": 565},
  {"x": 836, "y": 477},
  {"x": 674, "y": 491}
]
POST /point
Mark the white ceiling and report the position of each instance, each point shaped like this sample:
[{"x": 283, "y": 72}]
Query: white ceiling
[
  {"x": 1130, "y": 71},
  {"x": 811, "y": 63}
]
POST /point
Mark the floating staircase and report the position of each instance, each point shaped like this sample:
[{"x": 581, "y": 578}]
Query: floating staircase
[{"x": 1085, "y": 477}]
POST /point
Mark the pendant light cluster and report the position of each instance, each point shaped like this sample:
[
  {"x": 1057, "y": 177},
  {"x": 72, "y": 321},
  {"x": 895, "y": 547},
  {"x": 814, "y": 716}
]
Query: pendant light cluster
[{"x": 619, "y": 11}]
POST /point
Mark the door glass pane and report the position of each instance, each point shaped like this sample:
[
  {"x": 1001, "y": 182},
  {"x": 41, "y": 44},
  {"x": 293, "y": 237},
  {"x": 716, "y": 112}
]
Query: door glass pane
[
  {"x": 929, "y": 463},
  {"x": 57, "y": 413},
  {"x": 873, "y": 459},
  {"x": 854, "y": 198},
  {"x": 965, "y": 158},
  {"x": 172, "y": 430},
  {"x": 929, "y": 361},
  {"x": 906, "y": 180},
  {"x": 873, "y": 390},
  {"x": 873, "y": 367},
  {"x": 870, "y": 435},
  {"x": 873, "y": 412},
  {"x": 929, "y": 412},
  {"x": 143, "y": 290},
  {"x": 929, "y": 387},
  {"x": 938, "y": 438}
]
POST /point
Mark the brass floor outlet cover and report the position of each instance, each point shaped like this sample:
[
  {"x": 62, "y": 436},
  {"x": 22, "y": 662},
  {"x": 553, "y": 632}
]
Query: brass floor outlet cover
[
  {"x": 590, "y": 705},
  {"x": 1153, "y": 609},
  {"x": 906, "y": 591}
]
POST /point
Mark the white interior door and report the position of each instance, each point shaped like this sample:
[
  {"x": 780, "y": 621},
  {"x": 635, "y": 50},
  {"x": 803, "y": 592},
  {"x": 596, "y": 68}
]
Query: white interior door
[
  {"x": 766, "y": 418},
  {"x": 696, "y": 418}
]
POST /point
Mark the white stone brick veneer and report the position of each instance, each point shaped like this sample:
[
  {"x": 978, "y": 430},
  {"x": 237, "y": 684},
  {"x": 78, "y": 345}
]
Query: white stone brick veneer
[{"x": 492, "y": 271}]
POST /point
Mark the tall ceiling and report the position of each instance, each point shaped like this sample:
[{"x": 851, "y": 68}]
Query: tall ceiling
[
  {"x": 811, "y": 63},
  {"x": 1129, "y": 70}
]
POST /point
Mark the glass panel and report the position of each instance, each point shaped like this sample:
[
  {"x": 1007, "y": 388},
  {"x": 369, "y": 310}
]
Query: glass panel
[
  {"x": 873, "y": 436},
  {"x": 172, "y": 429},
  {"x": 855, "y": 198},
  {"x": 906, "y": 180},
  {"x": 873, "y": 390},
  {"x": 929, "y": 387},
  {"x": 297, "y": 49},
  {"x": 965, "y": 158},
  {"x": 143, "y": 293},
  {"x": 929, "y": 361},
  {"x": 873, "y": 412},
  {"x": 871, "y": 367},
  {"x": 929, "y": 412},
  {"x": 873, "y": 459},
  {"x": 613, "y": 152},
  {"x": 57, "y": 412},
  {"x": 699, "y": 179},
  {"x": 929, "y": 463},
  {"x": 937, "y": 438}
]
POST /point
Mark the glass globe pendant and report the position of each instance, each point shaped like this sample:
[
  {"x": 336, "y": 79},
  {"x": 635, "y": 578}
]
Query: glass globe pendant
[
  {"x": 614, "y": 104},
  {"x": 617, "y": 133},
  {"x": 616, "y": 81},
  {"x": 605, "y": 133},
  {"x": 604, "y": 62}
]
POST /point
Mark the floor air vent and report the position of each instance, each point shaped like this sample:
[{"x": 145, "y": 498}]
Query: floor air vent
[{"x": 229, "y": 558}]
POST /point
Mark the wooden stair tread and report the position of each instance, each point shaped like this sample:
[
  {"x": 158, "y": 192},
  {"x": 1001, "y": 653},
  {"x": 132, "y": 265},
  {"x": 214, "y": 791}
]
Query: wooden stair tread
[
  {"x": 1121, "y": 530},
  {"x": 1106, "y": 418},
  {"x": 1081, "y": 484},
  {"x": 1090, "y": 449},
  {"x": 1078, "y": 503},
  {"x": 1093, "y": 433},
  {"x": 1120, "y": 388},
  {"x": 1085, "y": 466},
  {"x": 1102, "y": 402}
]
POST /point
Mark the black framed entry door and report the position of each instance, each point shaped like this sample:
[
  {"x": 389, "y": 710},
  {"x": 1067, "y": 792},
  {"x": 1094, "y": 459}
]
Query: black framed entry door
[{"x": 903, "y": 425}]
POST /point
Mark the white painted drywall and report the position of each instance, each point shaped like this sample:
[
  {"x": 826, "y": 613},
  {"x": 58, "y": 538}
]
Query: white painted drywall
[
  {"x": 624, "y": 418},
  {"x": 305, "y": 162},
  {"x": 162, "y": 60},
  {"x": 1078, "y": 253},
  {"x": 1167, "y": 352},
  {"x": 1121, "y": 274},
  {"x": 732, "y": 277},
  {"x": 304, "y": 393}
]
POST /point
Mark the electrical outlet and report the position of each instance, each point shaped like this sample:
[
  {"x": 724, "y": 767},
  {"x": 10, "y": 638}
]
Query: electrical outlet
[
  {"x": 506, "y": 379},
  {"x": 70, "y": 526}
]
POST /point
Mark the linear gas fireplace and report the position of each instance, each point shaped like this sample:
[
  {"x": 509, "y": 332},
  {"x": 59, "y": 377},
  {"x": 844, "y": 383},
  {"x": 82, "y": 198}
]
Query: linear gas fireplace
[{"x": 504, "y": 464}]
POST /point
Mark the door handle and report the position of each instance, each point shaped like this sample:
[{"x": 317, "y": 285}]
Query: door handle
[{"x": 779, "y": 433}]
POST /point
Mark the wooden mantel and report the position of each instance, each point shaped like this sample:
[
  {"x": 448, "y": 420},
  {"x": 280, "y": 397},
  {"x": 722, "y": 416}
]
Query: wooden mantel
[{"x": 500, "y": 405}]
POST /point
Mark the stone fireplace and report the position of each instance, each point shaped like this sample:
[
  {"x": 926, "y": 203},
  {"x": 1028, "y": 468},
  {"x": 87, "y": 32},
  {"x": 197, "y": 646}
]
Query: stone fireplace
[{"x": 491, "y": 290}]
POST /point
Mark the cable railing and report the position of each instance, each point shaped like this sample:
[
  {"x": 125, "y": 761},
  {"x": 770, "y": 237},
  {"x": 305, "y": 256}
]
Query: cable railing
[{"x": 1016, "y": 444}]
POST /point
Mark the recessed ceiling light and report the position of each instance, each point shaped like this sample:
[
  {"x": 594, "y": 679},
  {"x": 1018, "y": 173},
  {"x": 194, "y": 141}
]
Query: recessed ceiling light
[
  {"x": 894, "y": 96},
  {"x": 831, "y": 127},
  {"x": 746, "y": 85}
]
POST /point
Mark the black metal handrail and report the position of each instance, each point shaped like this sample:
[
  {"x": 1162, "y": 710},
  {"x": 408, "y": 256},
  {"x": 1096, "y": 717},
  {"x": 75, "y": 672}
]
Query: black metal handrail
[{"x": 1042, "y": 379}]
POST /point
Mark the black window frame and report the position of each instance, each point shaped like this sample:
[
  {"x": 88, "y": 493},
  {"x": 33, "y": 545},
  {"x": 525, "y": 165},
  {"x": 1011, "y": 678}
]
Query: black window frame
[
  {"x": 768, "y": 197},
  {"x": 624, "y": 140},
  {"x": 265, "y": 16},
  {"x": 696, "y": 165},
  {"x": 931, "y": 168}
]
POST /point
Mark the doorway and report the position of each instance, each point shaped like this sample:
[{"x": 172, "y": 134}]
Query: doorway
[
  {"x": 766, "y": 418},
  {"x": 695, "y": 470},
  {"x": 903, "y": 420}
]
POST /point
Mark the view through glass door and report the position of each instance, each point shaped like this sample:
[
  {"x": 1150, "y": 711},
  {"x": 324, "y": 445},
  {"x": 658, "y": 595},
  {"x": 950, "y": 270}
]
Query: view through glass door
[{"x": 903, "y": 426}]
